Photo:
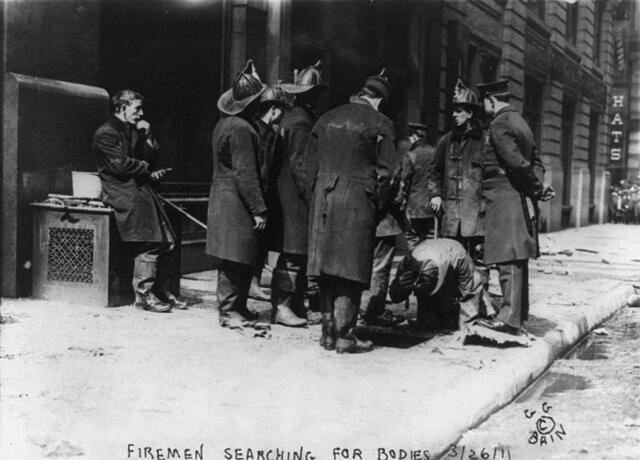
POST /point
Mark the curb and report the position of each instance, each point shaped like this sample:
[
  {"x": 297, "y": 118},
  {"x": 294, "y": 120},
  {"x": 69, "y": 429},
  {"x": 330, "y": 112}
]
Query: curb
[{"x": 505, "y": 381}]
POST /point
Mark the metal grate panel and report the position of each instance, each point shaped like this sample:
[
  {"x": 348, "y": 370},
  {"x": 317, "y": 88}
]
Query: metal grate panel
[{"x": 70, "y": 255}]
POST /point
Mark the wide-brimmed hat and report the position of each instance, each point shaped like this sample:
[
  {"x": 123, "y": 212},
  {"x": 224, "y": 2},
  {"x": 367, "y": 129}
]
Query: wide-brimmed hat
[
  {"x": 307, "y": 79},
  {"x": 245, "y": 89},
  {"x": 496, "y": 88},
  {"x": 380, "y": 84},
  {"x": 464, "y": 97},
  {"x": 274, "y": 95}
]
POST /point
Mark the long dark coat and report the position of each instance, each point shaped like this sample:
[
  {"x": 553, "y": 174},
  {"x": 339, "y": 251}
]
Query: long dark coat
[
  {"x": 268, "y": 158},
  {"x": 125, "y": 161},
  {"x": 289, "y": 216},
  {"x": 414, "y": 183},
  {"x": 352, "y": 151},
  {"x": 512, "y": 176},
  {"x": 236, "y": 195},
  {"x": 456, "y": 176}
]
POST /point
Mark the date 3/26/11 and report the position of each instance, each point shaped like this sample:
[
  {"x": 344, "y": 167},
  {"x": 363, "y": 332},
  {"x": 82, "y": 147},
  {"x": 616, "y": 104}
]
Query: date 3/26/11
[{"x": 484, "y": 453}]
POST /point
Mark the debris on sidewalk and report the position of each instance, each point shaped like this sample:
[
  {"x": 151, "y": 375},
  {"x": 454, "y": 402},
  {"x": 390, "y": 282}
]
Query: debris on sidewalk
[
  {"x": 56, "y": 448},
  {"x": 6, "y": 319},
  {"x": 590, "y": 251},
  {"x": 566, "y": 252},
  {"x": 634, "y": 301},
  {"x": 92, "y": 351},
  {"x": 480, "y": 335},
  {"x": 254, "y": 328},
  {"x": 605, "y": 261},
  {"x": 601, "y": 331}
]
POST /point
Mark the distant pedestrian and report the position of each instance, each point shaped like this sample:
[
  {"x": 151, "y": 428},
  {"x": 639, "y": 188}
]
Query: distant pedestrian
[
  {"x": 126, "y": 153},
  {"x": 237, "y": 211},
  {"x": 512, "y": 185},
  {"x": 353, "y": 149}
]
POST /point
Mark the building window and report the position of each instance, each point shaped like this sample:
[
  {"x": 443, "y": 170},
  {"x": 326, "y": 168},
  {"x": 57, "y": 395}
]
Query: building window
[
  {"x": 598, "y": 19},
  {"x": 536, "y": 7},
  {"x": 572, "y": 22},
  {"x": 566, "y": 157},
  {"x": 594, "y": 122},
  {"x": 481, "y": 67}
]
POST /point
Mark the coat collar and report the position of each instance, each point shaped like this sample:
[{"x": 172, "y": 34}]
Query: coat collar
[
  {"x": 121, "y": 125},
  {"x": 417, "y": 144},
  {"x": 360, "y": 100},
  {"x": 507, "y": 108},
  {"x": 307, "y": 109},
  {"x": 475, "y": 132}
]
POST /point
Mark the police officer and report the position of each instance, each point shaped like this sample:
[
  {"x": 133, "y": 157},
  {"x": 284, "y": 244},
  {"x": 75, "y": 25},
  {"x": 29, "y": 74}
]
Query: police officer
[{"x": 512, "y": 185}]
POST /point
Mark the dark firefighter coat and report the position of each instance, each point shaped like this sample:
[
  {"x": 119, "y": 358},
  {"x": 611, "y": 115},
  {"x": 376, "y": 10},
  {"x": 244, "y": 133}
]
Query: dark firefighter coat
[
  {"x": 456, "y": 176},
  {"x": 125, "y": 161},
  {"x": 289, "y": 218},
  {"x": 236, "y": 194},
  {"x": 352, "y": 151},
  {"x": 512, "y": 182},
  {"x": 414, "y": 180}
]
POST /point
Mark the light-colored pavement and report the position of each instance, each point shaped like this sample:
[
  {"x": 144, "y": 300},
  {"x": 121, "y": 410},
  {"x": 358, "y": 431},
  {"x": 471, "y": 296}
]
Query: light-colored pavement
[{"x": 80, "y": 380}]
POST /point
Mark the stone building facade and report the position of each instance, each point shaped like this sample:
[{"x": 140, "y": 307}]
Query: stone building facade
[{"x": 557, "y": 54}]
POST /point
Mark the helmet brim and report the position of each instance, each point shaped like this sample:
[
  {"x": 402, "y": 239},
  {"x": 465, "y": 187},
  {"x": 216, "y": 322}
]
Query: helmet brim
[
  {"x": 292, "y": 88},
  {"x": 229, "y": 106}
]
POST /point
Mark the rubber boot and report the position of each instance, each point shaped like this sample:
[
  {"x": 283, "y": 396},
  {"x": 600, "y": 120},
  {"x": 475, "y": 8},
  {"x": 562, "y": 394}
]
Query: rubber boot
[
  {"x": 233, "y": 286},
  {"x": 256, "y": 292},
  {"x": 325, "y": 300},
  {"x": 282, "y": 314},
  {"x": 151, "y": 303},
  {"x": 164, "y": 293},
  {"x": 144, "y": 277},
  {"x": 345, "y": 314},
  {"x": 286, "y": 302}
]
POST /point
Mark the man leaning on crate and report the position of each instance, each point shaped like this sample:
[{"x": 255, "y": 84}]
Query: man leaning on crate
[{"x": 126, "y": 153}]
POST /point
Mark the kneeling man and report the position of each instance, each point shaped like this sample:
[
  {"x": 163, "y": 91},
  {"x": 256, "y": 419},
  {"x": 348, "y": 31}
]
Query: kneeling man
[{"x": 440, "y": 272}]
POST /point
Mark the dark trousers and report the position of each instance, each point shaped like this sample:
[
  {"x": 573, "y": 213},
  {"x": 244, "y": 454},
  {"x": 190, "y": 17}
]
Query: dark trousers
[
  {"x": 289, "y": 283},
  {"x": 152, "y": 266},
  {"x": 514, "y": 284},
  {"x": 383, "y": 253},
  {"x": 421, "y": 229},
  {"x": 340, "y": 301},
  {"x": 261, "y": 259},
  {"x": 475, "y": 248},
  {"x": 234, "y": 280}
]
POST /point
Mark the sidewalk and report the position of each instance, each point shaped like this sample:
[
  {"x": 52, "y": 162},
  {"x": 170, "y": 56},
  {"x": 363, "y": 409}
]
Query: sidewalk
[{"x": 76, "y": 380}]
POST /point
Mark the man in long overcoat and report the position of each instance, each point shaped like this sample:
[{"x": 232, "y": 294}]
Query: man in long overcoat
[
  {"x": 237, "y": 210},
  {"x": 290, "y": 216},
  {"x": 352, "y": 153},
  {"x": 126, "y": 154},
  {"x": 512, "y": 185},
  {"x": 272, "y": 104}
]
